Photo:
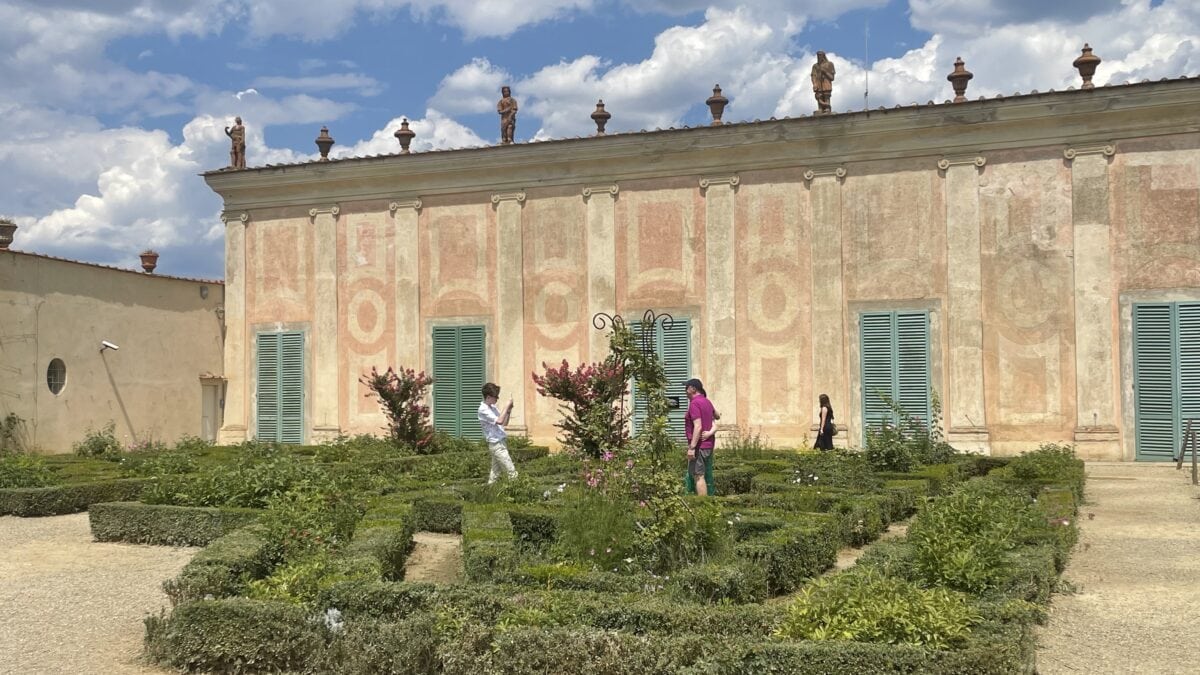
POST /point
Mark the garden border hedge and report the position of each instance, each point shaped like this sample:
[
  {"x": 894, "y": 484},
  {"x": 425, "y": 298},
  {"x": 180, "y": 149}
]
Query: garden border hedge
[
  {"x": 138, "y": 523},
  {"x": 70, "y": 498}
]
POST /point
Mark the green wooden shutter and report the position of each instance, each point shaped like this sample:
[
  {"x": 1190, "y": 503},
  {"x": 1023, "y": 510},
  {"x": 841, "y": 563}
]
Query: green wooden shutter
[
  {"x": 446, "y": 380},
  {"x": 459, "y": 373},
  {"x": 894, "y": 357},
  {"x": 1154, "y": 388},
  {"x": 472, "y": 376},
  {"x": 675, "y": 350},
  {"x": 1188, "y": 341},
  {"x": 266, "y": 403},
  {"x": 912, "y": 364},
  {"x": 876, "y": 347},
  {"x": 291, "y": 388}
]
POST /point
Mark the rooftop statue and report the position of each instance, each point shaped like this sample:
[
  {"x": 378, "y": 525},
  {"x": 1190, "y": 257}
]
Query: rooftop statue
[
  {"x": 822, "y": 82},
  {"x": 237, "y": 138},
  {"x": 507, "y": 108}
]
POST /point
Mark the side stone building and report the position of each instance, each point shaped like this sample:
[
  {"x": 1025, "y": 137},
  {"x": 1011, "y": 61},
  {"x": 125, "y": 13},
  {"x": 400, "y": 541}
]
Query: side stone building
[
  {"x": 163, "y": 380},
  {"x": 1030, "y": 264}
]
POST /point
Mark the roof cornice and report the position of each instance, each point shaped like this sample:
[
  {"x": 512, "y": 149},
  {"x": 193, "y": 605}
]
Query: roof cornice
[{"x": 1105, "y": 114}]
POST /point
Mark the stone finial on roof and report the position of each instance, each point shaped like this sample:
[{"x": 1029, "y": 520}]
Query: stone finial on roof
[
  {"x": 149, "y": 260},
  {"x": 405, "y": 136},
  {"x": 324, "y": 143},
  {"x": 716, "y": 105},
  {"x": 600, "y": 116},
  {"x": 1086, "y": 64},
  {"x": 958, "y": 80},
  {"x": 7, "y": 230}
]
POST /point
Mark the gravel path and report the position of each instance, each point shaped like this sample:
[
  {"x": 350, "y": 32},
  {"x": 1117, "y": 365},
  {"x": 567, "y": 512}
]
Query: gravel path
[
  {"x": 436, "y": 558},
  {"x": 1137, "y": 571},
  {"x": 70, "y": 605}
]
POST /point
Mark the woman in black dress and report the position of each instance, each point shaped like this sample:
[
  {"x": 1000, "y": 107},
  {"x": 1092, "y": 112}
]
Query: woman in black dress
[{"x": 825, "y": 429}]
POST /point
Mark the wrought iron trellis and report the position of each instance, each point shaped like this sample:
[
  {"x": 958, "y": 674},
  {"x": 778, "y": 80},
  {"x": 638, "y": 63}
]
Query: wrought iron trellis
[{"x": 651, "y": 321}]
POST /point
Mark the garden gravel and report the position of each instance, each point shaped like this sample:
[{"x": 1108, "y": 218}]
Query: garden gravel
[
  {"x": 1136, "y": 571},
  {"x": 71, "y": 605}
]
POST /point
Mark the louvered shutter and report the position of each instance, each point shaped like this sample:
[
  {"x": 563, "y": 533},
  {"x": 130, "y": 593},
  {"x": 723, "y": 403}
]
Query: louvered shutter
[
  {"x": 675, "y": 350},
  {"x": 1188, "y": 340},
  {"x": 912, "y": 365},
  {"x": 267, "y": 402},
  {"x": 876, "y": 348},
  {"x": 472, "y": 362},
  {"x": 894, "y": 353},
  {"x": 291, "y": 388},
  {"x": 446, "y": 381},
  {"x": 1154, "y": 389}
]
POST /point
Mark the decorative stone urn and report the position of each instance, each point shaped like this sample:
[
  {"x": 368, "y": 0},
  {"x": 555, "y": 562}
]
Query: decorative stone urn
[
  {"x": 600, "y": 116},
  {"x": 7, "y": 228},
  {"x": 959, "y": 79},
  {"x": 716, "y": 104},
  {"x": 324, "y": 143},
  {"x": 1086, "y": 64},
  {"x": 405, "y": 136},
  {"x": 149, "y": 260}
]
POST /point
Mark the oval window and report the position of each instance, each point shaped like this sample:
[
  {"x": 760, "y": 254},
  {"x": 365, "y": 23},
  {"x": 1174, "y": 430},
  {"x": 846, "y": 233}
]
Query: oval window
[{"x": 56, "y": 376}]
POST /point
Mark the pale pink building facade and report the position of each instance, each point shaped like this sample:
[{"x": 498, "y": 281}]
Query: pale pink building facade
[{"x": 1021, "y": 232}]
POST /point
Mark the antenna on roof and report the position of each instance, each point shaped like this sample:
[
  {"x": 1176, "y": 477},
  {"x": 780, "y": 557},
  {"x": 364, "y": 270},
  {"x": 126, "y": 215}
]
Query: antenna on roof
[{"x": 867, "y": 65}]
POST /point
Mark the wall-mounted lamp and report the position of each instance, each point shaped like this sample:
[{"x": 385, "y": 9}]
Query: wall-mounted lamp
[{"x": 105, "y": 344}]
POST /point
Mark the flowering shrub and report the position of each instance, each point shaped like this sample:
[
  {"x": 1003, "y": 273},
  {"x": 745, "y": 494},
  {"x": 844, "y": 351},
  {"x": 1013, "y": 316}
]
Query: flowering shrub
[
  {"x": 402, "y": 396},
  {"x": 594, "y": 419},
  {"x": 101, "y": 443}
]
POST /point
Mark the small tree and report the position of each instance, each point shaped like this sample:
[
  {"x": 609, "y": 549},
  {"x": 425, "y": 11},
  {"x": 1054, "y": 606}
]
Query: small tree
[
  {"x": 402, "y": 396},
  {"x": 594, "y": 420}
]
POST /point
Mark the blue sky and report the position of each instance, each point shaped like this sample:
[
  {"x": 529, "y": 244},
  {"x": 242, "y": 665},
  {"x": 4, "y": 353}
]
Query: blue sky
[{"x": 114, "y": 106}]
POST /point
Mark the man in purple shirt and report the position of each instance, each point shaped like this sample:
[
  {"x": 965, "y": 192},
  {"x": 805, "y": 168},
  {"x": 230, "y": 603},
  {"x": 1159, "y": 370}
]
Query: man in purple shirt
[{"x": 698, "y": 421}]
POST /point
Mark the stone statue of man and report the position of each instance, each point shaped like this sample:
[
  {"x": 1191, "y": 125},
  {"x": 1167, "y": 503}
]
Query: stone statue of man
[
  {"x": 237, "y": 150},
  {"x": 822, "y": 82},
  {"x": 507, "y": 108}
]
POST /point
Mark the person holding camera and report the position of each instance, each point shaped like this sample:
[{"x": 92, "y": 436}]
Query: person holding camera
[{"x": 493, "y": 423}]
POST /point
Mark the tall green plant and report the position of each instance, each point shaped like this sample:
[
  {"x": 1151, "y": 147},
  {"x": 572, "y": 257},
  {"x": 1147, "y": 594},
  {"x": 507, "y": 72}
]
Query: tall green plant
[{"x": 912, "y": 442}]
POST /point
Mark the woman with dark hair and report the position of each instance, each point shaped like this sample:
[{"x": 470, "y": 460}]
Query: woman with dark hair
[{"x": 825, "y": 428}]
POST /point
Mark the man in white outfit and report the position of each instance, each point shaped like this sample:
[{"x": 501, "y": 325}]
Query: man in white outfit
[{"x": 493, "y": 423}]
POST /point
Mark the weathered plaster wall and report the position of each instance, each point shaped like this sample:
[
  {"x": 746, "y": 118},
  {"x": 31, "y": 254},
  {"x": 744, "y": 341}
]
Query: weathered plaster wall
[
  {"x": 1026, "y": 227},
  {"x": 169, "y": 337}
]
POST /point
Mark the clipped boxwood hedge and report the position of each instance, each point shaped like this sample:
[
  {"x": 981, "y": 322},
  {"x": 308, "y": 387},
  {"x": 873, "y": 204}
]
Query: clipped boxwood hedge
[
  {"x": 235, "y": 635},
  {"x": 72, "y": 498},
  {"x": 438, "y": 515},
  {"x": 137, "y": 523},
  {"x": 792, "y": 554},
  {"x": 223, "y": 568}
]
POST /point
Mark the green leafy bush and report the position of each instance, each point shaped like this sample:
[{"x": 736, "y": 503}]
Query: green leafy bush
[
  {"x": 596, "y": 528},
  {"x": 747, "y": 444},
  {"x": 25, "y": 471},
  {"x": 737, "y": 583},
  {"x": 101, "y": 443},
  {"x": 791, "y": 554},
  {"x": 164, "y": 464},
  {"x": 1049, "y": 465},
  {"x": 962, "y": 540},
  {"x": 138, "y": 523},
  {"x": 258, "y": 473},
  {"x": 868, "y": 607},
  {"x": 307, "y": 520},
  {"x": 301, "y": 581},
  {"x": 835, "y": 469},
  {"x": 911, "y": 443}
]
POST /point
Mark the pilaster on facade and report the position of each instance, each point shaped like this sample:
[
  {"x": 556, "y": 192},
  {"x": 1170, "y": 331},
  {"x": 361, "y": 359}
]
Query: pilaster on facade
[
  {"x": 828, "y": 299},
  {"x": 965, "y": 401},
  {"x": 834, "y": 170},
  {"x": 601, "y": 213},
  {"x": 407, "y": 258},
  {"x": 510, "y": 371},
  {"x": 325, "y": 393},
  {"x": 1096, "y": 303},
  {"x": 720, "y": 315},
  {"x": 233, "y": 426}
]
